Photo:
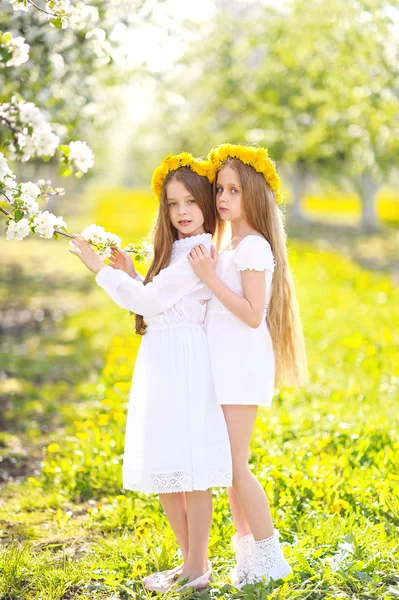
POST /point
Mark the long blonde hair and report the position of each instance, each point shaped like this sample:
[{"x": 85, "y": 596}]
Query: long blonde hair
[
  {"x": 262, "y": 213},
  {"x": 164, "y": 234}
]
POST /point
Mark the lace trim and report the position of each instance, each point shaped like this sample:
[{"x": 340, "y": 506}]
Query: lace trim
[
  {"x": 269, "y": 560},
  {"x": 189, "y": 242},
  {"x": 176, "y": 481}
]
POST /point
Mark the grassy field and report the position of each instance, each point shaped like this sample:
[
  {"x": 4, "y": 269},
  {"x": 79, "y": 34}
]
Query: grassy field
[
  {"x": 327, "y": 454},
  {"x": 346, "y": 207}
]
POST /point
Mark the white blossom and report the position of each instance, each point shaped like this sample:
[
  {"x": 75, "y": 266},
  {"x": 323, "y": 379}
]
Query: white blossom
[
  {"x": 113, "y": 240},
  {"x": 81, "y": 155},
  {"x": 46, "y": 142},
  {"x": 59, "y": 5},
  {"x": 59, "y": 8},
  {"x": 20, "y": 52},
  {"x": 29, "y": 193},
  {"x": 147, "y": 250},
  {"x": 101, "y": 239},
  {"x": 26, "y": 146},
  {"x": 18, "y": 231},
  {"x": 10, "y": 186},
  {"x": 44, "y": 223},
  {"x": 29, "y": 205},
  {"x": 94, "y": 233},
  {"x": 29, "y": 113},
  {"x": 59, "y": 223},
  {"x": 84, "y": 16},
  {"x": 5, "y": 170},
  {"x": 105, "y": 252},
  {"x": 20, "y": 5},
  {"x": 31, "y": 189}
]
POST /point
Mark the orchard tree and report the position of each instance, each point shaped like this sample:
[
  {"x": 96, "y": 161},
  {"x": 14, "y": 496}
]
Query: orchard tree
[
  {"x": 318, "y": 87},
  {"x": 27, "y": 132}
]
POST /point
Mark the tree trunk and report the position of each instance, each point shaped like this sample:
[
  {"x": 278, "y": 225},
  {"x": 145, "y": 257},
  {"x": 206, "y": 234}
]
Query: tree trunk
[
  {"x": 299, "y": 176},
  {"x": 368, "y": 189}
]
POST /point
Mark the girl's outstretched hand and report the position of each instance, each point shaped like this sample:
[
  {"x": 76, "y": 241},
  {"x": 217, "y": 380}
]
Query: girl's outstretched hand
[
  {"x": 86, "y": 254},
  {"x": 122, "y": 261},
  {"x": 204, "y": 264}
]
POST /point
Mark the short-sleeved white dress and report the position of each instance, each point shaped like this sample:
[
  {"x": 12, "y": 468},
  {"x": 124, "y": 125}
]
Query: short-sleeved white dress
[
  {"x": 242, "y": 357},
  {"x": 176, "y": 437}
]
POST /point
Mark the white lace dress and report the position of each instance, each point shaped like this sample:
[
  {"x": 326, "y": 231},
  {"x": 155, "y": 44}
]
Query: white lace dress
[
  {"x": 242, "y": 358},
  {"x": 176, "y": 438}
]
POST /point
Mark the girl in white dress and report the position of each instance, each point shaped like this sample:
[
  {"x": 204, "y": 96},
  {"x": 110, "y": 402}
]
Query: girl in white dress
[
  {"x": 254, "y": 335},
  {"x": 176, "y": 440}
]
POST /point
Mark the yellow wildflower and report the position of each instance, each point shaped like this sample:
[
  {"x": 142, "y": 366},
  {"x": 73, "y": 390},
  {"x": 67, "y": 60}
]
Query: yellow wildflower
[
  {"x": 53, "y": 448},
  {"x": 172, "y": 162},
  {"x": 258, "y": 158}
]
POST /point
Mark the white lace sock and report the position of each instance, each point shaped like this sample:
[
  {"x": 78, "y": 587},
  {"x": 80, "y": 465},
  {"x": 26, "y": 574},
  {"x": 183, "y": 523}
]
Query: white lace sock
[
  {"x": 268, "y": 560},
  {"x": 244, "y": 558}
]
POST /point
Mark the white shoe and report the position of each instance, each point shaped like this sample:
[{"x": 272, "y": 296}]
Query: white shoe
[
  {"x": 244, "y": 558},
  {"x": 269, "y": 561}
]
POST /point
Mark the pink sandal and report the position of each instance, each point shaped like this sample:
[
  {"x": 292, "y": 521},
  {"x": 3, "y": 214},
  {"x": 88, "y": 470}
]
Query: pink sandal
[{"x": 199, "y": 583}]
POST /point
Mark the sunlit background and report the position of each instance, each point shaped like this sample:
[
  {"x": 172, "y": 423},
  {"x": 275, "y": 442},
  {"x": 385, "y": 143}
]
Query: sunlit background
[{"x": 317, "y": 84}]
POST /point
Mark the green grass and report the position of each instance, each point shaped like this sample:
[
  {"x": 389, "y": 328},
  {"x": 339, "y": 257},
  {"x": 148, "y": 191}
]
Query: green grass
[{"x": 327, "y": 454}]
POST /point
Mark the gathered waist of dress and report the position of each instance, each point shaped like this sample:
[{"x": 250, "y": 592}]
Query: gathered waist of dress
[{"x": 161, "y": 325}]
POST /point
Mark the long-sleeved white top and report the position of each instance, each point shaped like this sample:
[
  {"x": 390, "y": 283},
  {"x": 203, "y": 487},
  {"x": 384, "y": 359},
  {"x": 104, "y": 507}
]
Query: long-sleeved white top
[{"x": 176, "y": 292}]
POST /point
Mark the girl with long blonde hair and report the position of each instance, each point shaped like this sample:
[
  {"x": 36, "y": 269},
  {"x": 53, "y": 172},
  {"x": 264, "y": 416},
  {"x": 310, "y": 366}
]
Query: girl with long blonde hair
[
  {"x": 176, "y": 440},
  {"x": 254, "y": 334}
]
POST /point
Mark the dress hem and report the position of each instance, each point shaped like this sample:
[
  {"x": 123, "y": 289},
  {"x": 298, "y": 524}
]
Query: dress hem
[
  {"x": 159, "y": 491},
  {"x": 187, "y": 483}
]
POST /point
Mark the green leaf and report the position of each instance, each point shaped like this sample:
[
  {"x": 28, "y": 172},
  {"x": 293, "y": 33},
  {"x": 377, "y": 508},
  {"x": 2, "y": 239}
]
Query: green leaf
[
  {"x": 64, "y": 170},
  {"x": 64, "y": 149},
  {"x": 7, "y": 37},
  {"x": 5, "y": 54},
  {"x": 303, "y": 563},
  {"x": 56, "y": 22},
  {"x": 18, "y": 215}
]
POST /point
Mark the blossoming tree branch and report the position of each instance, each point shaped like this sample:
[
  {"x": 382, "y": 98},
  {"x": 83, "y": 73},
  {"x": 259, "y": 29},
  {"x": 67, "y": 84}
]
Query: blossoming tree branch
[{"x": 30, "y": 135}]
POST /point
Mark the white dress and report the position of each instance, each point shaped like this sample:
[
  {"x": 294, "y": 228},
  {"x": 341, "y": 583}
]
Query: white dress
[
  {"x": 176, "y": 438},
  {"x": 242, "y": 357}
]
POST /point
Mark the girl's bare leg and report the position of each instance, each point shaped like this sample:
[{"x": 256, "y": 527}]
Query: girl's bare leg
[
  {"x": 252, "y": 511},
  {"x": 199, "y": 517},
  {"x": 238, "y": 516},
  {"x": 175, "y": 509}
]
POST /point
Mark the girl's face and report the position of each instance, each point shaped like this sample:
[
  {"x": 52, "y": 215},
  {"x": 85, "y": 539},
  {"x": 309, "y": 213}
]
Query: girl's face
[
  {"x": 228, "y": 195},
  {"x": 184, "y": 212}
]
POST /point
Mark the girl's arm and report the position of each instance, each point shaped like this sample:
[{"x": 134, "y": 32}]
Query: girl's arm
[
  {"x": 250, "y": 307},
  {"x": 163, "y": 292}
]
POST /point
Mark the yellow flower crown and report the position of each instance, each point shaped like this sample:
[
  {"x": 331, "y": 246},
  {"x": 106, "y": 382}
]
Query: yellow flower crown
[
  {"x": 172, "y": 162},
  {"x": 258, "y": 158}
]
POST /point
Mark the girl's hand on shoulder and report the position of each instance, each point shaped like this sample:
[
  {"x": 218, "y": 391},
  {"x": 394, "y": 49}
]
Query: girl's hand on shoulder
[
  {"x": 203, "y": 263},
  {"x": 85, "y": 252},
  {"x": 121, "y": 260}
]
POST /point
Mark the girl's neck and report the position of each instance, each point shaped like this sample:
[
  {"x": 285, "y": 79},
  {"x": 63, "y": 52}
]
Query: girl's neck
[{"x": 240, "y": 229}]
